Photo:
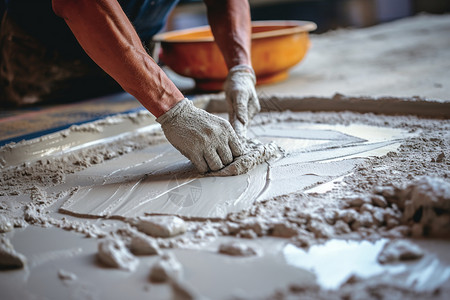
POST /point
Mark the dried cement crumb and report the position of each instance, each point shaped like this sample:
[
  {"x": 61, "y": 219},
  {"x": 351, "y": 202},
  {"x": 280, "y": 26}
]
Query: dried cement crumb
[
  {"x": 379, "y": 200},
  {"x": 357, "y": 201},
  {"x": 399, "y": 250},
  {"x": 161, "y": 226},
  {"x": 238, "y": 249},
  {"x": 141, "y": 245},
  {"x": 247, "y": 234},
  {"x": 183, "y": 291},
  {"x": 10, "y": 258},
  {"x": 166, "y": 269},
  {"x": 5, "y": 224},
  {"x": 138, "y": 242},
  {"x": 426, "y": 202},
  {"x": 66, "y": 276},
  {"x": 113, "y": 253},
  {"x": 285, "y": 230}
]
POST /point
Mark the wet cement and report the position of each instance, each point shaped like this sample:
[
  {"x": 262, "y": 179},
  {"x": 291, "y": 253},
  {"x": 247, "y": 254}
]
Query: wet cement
[
  {"x": 275, "y": 223},
  {"x": 161, "y": 180}
]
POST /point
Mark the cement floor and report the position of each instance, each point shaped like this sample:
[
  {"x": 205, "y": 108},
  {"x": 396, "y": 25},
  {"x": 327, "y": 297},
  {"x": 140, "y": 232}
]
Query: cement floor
[{"x": 404, "y": 58}]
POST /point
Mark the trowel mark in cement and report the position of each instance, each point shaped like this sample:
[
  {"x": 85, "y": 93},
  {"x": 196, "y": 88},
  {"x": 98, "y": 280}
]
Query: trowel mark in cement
[
  {"x": 170, "y": 188},
  {"x": 159, "y": 180}
]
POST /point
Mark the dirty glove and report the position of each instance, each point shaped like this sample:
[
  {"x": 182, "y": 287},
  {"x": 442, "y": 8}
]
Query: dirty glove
[
  {"x": 208, "y": 141},
  {"x": 241, "y": 96}
]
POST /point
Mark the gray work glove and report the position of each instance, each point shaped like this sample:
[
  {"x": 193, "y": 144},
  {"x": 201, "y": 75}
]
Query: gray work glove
[
  {"x": 208, "y": 141},
  {"x": 241, "y": 96}
]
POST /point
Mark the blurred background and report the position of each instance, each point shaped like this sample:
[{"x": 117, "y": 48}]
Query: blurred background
[{"x": 327, "y": 14}]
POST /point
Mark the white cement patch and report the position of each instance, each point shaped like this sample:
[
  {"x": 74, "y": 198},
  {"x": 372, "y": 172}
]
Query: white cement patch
[
  {"x": 165, "y": 184},
  {"x": 159, "y": 180}
]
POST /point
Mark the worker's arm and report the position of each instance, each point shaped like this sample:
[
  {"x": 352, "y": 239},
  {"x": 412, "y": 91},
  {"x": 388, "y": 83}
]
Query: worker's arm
[
  {"x": 105, "y": 33},
  {"x": 231, "y": 26},
  {"x": 108, "y": 37}
]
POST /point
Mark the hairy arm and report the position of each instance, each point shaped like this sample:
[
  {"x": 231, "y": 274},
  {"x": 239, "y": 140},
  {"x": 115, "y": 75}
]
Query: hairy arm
[
  {"x": 105, "y": 33},
  {"x": 231, "y": 27}
]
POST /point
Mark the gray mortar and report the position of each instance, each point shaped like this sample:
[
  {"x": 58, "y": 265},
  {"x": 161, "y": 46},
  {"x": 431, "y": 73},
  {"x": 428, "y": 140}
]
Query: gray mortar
[{"x": 366, "y": 205}]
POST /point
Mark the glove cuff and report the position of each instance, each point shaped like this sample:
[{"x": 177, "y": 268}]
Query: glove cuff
[
  {"x": 245, "y": 68},
  {"x": 174, "y": 111}
]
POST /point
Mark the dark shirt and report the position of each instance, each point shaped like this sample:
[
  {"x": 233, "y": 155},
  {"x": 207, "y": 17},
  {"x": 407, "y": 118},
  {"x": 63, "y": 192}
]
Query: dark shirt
[
  {"x": 45, "y": 62},
  {"x": 36, "y": 18}
]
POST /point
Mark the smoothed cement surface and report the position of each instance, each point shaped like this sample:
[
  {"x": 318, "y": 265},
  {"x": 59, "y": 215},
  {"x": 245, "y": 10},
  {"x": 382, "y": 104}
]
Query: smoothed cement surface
[{"x": 159, "y": 180}]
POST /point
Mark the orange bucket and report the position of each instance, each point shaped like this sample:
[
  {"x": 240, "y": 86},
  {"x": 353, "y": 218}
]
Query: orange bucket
[{"x": 276, "y": 47}]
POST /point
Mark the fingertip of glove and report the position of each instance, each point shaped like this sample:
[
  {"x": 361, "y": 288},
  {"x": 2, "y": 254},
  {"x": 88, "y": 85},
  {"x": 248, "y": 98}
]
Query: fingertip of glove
[
  {"x": 200, "y": 164},
  {"x": 242, "y": 118},
  {"x": 237, "y": 149}
]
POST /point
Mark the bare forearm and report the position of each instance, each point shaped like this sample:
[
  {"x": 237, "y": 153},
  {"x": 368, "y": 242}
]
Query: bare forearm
[
  {"x": 105, "y": 33},
  {"x": 231, "y": 25}
]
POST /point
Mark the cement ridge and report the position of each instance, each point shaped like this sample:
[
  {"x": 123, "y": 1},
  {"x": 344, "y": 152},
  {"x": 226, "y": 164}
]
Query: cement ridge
[{"x": 387, "y": 105}]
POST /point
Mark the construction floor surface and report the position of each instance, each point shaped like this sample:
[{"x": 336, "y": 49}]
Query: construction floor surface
[{"x": 82, "y": 173}]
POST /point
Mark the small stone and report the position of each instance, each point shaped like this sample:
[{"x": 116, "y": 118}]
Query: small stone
[
  {"x": 10, "y": 258},
  {"x": 330, "y": 216},
  {"x": 113, "y": 253},
  {"x": 137, "y": 242},
  {"x": 166, "y": 268},
  {"x": 349, "y": 216},
  {"x": 233, "y": 228},
  {"x": 388, "y": 192},
  {"x": 391, "y": 217},
  {"x": 248, "y": 234},
  {"x": 183, "y": 291},
  {"x": 355, "y": 225},
  {"x": 66, "y": 276},
  {"x": 285, "y": 230},
  {"x": 366, "y": 219},
  {"x": 144, "y": 245},
  {"x": 357, "y": 201},
  {"x": 378, "y": 215},
  {"x": 366, "y": 207},
  {"x": 237, "y": 249},
  {"x": 399, "y": 250},
  {"x": 341, "y": 227},
  {"x": 391, "y": 223},
  {"x": 256, "y": 225},
  {"x": 161, "y": 226},
  {"x": 379, "y": 201},
  {"x": 401, "y": 231},
  {"x": 354, "y": 278},
  {"x": 301, "y": 241},
  {"x": 320, "y": 230},
  {"x": 5, "y": 224}
]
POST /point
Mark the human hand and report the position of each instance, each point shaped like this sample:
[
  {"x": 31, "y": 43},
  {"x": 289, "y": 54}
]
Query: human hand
[
  {"x": 241, "y": 97},
  {"x": 208, "y": 141}
]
